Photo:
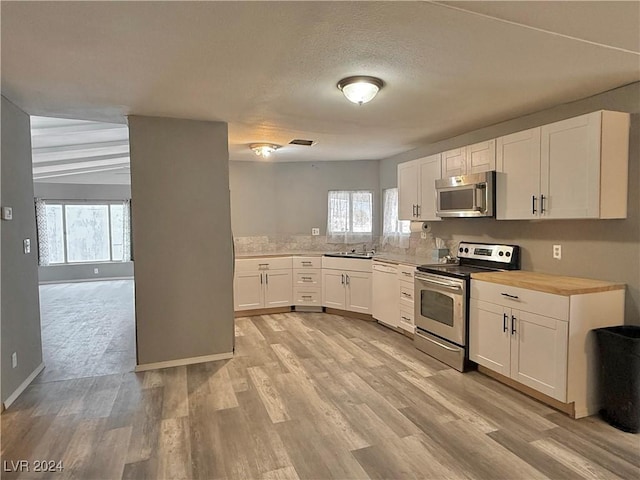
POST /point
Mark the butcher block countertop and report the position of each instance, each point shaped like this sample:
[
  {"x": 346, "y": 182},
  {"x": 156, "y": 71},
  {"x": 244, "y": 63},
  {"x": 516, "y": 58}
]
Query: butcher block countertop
[{"x": 543, "y": 282}]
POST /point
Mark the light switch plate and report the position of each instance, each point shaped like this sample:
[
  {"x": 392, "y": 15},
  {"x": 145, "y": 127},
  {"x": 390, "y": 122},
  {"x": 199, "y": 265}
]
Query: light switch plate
[
  {"x": 26, "y": 245},
  {"x": 7, "y": 213}
]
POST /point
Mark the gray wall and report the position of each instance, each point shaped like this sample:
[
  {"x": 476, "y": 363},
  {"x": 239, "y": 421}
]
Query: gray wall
[
  {"x": 182, "y": 238},
  {"x": 601, "y": 249},
  {"x": 20, "y": 329},
  {"x": 85, "y": 271},
  {"x": 291, "y": 198}
]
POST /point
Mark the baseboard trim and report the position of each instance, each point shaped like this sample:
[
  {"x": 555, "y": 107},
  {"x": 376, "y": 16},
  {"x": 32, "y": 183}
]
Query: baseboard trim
[
  {"x": 346, "y": 313},
  {"x": 568, "y": 408},
  {"x": 23, "y": 386},
  {"x": 183, "y": 361},
  {"x": 261, "y": 311},
  {"x": 83, "y": 280}
]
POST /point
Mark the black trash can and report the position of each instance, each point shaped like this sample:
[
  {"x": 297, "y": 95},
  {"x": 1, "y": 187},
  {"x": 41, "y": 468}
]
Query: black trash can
[{"x": 620, "y": 380}]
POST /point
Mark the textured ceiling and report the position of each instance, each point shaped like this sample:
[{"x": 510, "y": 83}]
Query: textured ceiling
[{"x": 270, "y": 69}]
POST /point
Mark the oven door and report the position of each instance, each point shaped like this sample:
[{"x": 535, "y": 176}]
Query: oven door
[{"x": 440, "y": 306}]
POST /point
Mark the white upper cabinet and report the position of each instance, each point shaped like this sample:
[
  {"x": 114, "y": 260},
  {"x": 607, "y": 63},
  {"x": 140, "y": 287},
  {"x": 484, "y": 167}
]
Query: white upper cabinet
[
  {"x": 407, "y": 190},
  {"x": 416, "y": 188},
  {"x": 518, "y": 184},
  {"x": 476, "y": 158},
  {"x": 575, "y": 168}
]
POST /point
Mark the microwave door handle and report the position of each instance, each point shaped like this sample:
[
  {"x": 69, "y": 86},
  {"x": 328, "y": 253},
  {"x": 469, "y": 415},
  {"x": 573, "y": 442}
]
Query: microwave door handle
[{"x": 479, "y": 199}]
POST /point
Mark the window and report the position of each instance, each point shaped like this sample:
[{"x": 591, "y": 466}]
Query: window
[
  {"x": 394, "y": 232},
  {"x": 350, "y": 216},
  {"x": 74, "y": 232}
]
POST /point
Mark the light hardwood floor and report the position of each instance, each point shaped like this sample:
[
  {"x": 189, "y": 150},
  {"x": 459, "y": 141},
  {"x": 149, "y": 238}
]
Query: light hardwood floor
[
  {"x": 308, "y": 396},
  {"x": 88, "y": 329}
]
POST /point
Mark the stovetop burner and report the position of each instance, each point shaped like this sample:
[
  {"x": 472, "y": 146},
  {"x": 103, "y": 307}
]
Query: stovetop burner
[{"x": 462, "y": 271}]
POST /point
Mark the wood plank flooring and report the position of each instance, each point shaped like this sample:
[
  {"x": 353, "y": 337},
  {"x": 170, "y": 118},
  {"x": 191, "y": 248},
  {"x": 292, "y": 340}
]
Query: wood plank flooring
[
  {"x": 310, "y": 396},
  {"x": 88, "y": 329}
]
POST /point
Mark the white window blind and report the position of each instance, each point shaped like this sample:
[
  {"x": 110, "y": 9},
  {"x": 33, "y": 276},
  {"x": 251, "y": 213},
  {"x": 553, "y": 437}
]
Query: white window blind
[{"x": 350, "y": 216}]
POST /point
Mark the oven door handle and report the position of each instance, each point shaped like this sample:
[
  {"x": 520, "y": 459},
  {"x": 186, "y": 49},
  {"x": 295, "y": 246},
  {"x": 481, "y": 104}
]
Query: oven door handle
[
  {"x": 442, "y": 345},
  {"x": 451, "y": 285}
]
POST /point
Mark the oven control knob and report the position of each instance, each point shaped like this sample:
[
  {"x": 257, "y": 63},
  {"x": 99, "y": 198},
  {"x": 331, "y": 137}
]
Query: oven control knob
[
  {"x": 466, "y": 250},
  {"x": 508, "y": 254},
  {"x": 501, "y": 253},
  {"x": 461, "y": 249}
]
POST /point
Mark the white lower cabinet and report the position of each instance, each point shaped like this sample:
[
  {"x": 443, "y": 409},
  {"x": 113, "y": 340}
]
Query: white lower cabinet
[
  {"x": 307, "y": 281},
  {"x": 527, "y": 347},
  {"x": 407, "y": 291},
  {"x": 346, "y": 284},
  {"x": 263, "y": 283},
  {"x": 544, "y": 340}
]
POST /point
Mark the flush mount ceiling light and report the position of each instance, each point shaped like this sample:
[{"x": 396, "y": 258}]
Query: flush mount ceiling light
[
  {"x": 264, "y": 150},
  {"x": 361, "y": 88}
]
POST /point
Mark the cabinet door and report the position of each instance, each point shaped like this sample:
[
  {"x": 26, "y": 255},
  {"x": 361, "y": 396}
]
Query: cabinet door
[
  {"x": 358, "y": 292},
  {"x": 489, "y": 342},
  {"x": 481, "y": 157},
  {"x": 454, "y": 163},
  {"x": 518, "y": 178},
  {"x": 247, "y": 291},
  {"x": 333, "y": 289},
  {"x": 278, "y": 288},
  {"x": 570, "y": 167},
  {"x": 429, "y": 170},
  {"x": 539, "y": 353},
  {"x": 408, "y": 190}
]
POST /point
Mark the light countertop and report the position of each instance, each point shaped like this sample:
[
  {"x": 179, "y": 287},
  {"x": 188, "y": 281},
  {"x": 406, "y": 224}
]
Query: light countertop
[
  {"x": 393, "y": 258},
  {"x": 542, "y": 282}
]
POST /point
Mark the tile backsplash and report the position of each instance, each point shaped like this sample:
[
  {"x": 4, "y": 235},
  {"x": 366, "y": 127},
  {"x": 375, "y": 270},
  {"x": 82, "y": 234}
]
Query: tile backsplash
[{"x": 416, "y": 246}]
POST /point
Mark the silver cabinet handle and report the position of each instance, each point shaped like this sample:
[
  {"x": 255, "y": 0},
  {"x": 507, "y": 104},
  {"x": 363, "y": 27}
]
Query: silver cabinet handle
[
  {"x": 266, "y": 276},
  {"x": 418, "y": 207},
  {"x": 260, "y": 279},
  {"x": 446, "y": 347},
  {"x": 342, "y": 279},
  {"x": 306, "y": 296},
  {"x": 541, "y": 203},
  {"x": 348, "y": 280},
  {"x": 407, "y": 274},
  {"x": 405, "y": 294},
  {"x": 406, "y": 319},
  {"x": 533, "y": 204},
  {"x": 513, "y": 324},
  {"x": 306, "y": 279}
]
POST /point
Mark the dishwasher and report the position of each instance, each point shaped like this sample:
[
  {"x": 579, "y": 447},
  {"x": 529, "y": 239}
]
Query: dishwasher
[{"x": 386, "y": 294}]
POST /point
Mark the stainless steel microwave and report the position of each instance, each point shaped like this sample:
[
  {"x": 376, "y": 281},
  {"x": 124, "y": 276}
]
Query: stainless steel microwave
[{"x": 466, "y": 195}]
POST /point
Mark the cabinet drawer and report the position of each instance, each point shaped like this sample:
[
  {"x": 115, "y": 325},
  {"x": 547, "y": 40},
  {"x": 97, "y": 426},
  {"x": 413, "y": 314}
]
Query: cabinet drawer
[
  {"x": 407, "y": 318},
  {"x": 405, "y": 273},
  {"x": 307, "y": 296},
  {"x": 307, "y": 262},
  {"x": 406, "y": 295},
  {"x": 306, "y": 277},
  {"x": 266, "y": 263},
  {"x": 541, "y": 303}
]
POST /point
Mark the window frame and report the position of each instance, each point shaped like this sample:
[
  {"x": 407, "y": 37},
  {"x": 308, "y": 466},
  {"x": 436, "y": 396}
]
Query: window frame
[
  {"x": 64, "y": 204},
  {"x": 350, "y": 209}
]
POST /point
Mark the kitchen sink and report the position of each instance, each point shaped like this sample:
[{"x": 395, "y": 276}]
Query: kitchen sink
[{"x": 350, "y": 254}]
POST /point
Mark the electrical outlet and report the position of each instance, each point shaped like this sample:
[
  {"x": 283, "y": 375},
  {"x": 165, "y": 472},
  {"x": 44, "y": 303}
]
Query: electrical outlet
[
  {"x": 315, "y": 231},
  {"x": 26, "y": 246},
  {"x": 96, "y": 271},
  {"x": 557, "y": 252},
  {"x": 423, "y": 235},
  {"x": 14, "y": 359}
]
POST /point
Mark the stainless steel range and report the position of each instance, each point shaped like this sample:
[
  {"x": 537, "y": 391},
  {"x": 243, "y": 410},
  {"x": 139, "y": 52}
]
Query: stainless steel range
[{"x": 442, "y": 299}]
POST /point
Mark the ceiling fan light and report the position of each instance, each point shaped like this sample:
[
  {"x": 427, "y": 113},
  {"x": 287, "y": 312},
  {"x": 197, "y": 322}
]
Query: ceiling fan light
[{"x": 360, "y": 89}]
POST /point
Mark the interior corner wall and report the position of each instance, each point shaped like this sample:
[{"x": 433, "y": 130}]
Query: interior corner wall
[
  {"x": 290, "y": 198},
  {"x": 182, "y": 244},
  {"x": 19, "y": 283},
  {"x": 601, "y": 249}
]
